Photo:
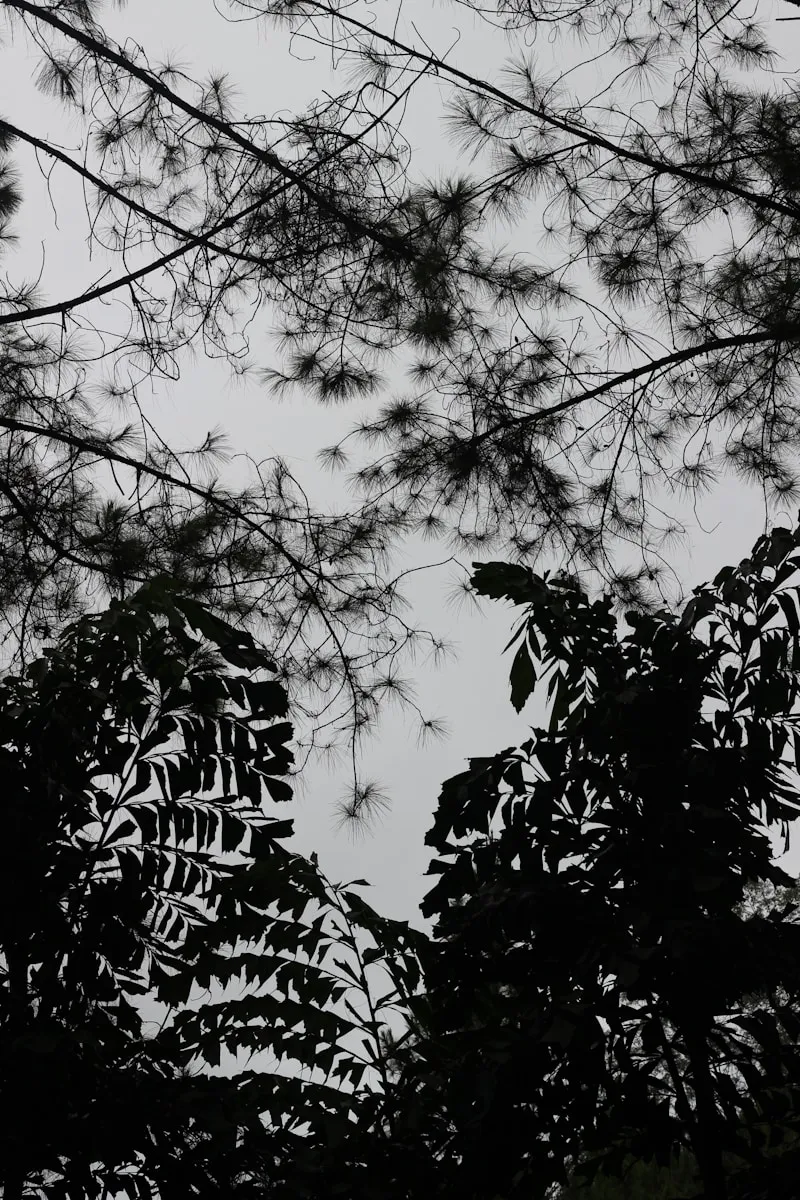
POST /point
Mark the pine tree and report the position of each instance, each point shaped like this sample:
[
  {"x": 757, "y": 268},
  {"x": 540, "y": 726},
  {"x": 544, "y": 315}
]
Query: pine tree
[
  {"x": 196, "y": 215},
  {"x": 565, "y": 403},
  {"x": 570, "y": 403}
]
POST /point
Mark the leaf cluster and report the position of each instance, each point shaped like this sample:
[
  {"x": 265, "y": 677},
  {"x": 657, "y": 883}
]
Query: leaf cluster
[
  {"x": 185, "y": 1003},
  {"x": 600, "y": 991}
]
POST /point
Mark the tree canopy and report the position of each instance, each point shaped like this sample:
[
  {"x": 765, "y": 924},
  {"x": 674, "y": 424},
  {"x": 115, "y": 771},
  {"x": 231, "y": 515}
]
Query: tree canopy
[
  {"x": 600, "y": 991},
  {"x": 610, "y": 990},
  {"x": 594, "y": 314},
  {"x": 186, "y": 1006},
  {"x": 558, "y": 344}
]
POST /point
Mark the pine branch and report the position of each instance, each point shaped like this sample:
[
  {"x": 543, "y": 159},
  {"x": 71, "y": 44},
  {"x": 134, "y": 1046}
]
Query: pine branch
[
  {"x": 673, "y": 359},
  {"x": 395, "y": 246},
  {"x": 584, "y": 136},
  {"x": 192, "y": 241}
]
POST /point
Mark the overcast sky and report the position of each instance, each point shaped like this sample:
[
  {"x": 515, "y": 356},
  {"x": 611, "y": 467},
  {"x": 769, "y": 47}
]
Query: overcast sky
[{"x": 471, "y": 690}]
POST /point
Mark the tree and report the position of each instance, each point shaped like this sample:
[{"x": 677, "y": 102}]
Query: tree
[
  {"x": 556, "y": 411},
  {"x": 591, "y": 990},
  {"x": 87, "y": 505},
  {"x": 144, "y": 873},
  {"x": 560, "y": 402},
  {"x": 648, "y": 1179}
]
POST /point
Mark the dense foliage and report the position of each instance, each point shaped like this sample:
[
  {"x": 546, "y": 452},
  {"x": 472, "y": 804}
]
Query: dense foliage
[
  {"x": 611, "y": 986},
  {"x": 186, "y": 1007},
  {"x": 600, "y": 993}
]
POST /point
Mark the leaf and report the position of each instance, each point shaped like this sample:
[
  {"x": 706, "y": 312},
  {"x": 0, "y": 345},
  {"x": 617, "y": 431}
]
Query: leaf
[
  {"x": 522, "y": 677},
  {"x": 266, "y": 698},
  {"x": 234, "y": 644},
  {"x": 279, "y": 789},
  {"x": 125, "y": 829},
  {"x": 508, "y": 581}
]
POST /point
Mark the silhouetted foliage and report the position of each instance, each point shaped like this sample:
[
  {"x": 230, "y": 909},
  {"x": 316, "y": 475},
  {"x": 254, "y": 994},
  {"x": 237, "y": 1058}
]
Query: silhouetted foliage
[
  {"x": 566, "y": 389},
  {"x": 647, "y": 1179},
  {"x": 186, "y": 1006},
  {"x": 612, "y": 988},
  {"x": 632, "y": 332},
  {"x": 199, "y": 219},
  {"x": 599, "y": 995}
]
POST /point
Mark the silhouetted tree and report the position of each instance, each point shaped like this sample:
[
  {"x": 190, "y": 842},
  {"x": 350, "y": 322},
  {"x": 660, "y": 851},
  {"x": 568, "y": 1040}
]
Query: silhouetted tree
[
  {"x": 636, "y": 334},
  {"x": 556, "y": 402},
  {"x": 594, "y": 992},
  {"x": 199, "y": 218},
  {"x": 186, "y": 1007}
]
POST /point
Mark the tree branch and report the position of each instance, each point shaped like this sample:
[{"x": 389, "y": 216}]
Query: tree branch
[
  {"x": 192, "y": 241},
  {"x": 394, "y": 245},
  {"x": 668, "y": 360},
  {"x": 587, "y": 136}
]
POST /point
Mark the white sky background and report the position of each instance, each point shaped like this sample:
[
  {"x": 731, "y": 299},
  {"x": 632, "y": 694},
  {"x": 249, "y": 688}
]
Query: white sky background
[{"x": 471, "y": 690}]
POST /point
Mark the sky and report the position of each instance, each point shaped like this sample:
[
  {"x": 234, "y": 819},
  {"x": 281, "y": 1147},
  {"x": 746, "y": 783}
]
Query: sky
[{"x": 471, "y": 690}]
